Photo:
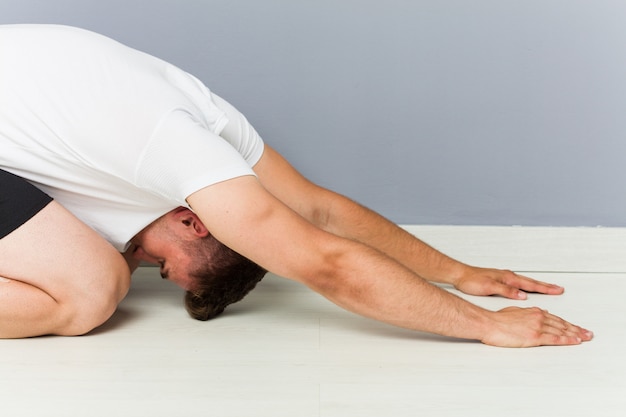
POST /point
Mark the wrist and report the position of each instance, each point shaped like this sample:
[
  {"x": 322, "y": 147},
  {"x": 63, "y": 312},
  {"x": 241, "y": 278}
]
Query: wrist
[
  {"x": 457, "y": 273},
  {"x": 482, "y": 322}
]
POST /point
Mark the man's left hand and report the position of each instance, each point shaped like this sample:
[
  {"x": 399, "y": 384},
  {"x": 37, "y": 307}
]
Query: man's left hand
[{"x": 485, "y": 281}]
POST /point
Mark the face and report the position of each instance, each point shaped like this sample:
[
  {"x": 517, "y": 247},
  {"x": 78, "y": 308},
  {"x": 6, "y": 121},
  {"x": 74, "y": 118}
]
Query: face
[
  {"x": 165, "y": 243},
  {"x": 173, "y": 261}
]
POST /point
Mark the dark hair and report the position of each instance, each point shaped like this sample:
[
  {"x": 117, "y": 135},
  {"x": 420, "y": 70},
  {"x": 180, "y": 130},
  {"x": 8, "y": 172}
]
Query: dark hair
[{"x": 222, "y": 277}]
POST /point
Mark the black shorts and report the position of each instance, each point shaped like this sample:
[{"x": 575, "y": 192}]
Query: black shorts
[{"x": 19, "y": 202}]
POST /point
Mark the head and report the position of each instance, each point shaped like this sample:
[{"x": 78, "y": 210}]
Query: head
[
  {"x": 212, "y": 274},
  {"x": 225, "y": 279}
]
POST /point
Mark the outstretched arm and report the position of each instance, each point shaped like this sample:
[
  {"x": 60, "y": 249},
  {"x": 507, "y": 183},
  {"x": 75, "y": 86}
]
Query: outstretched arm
[
  {"x": 243, "y": 215},
  {"x": 346, "y": 218}
]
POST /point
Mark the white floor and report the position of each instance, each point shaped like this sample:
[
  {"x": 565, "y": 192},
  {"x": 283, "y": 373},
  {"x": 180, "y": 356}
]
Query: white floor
[{"x": 285, "y": 351}]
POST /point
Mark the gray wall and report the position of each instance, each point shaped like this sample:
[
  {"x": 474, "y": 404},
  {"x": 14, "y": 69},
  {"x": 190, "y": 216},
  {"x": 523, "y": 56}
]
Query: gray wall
[{"x": 431, "y": 112}]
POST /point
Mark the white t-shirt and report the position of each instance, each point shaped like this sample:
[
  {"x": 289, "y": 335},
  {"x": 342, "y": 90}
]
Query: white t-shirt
[{"x": 115, "y": 135}]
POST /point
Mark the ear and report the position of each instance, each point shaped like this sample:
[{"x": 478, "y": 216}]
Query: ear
[{"x": 190, "y": 221}]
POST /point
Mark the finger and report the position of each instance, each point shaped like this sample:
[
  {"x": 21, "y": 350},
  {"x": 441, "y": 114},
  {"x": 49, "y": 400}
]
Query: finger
[
  {"x": 557, "y": 326},
  {"x": 531, "y": 285},
  {"x": 566, "y": 337},
  {"x": 548, "y": 339},
  {"x": 508, "y": 291}
]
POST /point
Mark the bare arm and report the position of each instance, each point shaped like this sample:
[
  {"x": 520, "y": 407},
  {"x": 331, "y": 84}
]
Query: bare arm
[
  {"x": 244, "y": 216},
  {"x": 344, "y": 217}
]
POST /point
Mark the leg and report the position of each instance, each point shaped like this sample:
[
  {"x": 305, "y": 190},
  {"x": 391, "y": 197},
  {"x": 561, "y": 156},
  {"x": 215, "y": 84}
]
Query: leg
[{"x": 60, "y": 277}]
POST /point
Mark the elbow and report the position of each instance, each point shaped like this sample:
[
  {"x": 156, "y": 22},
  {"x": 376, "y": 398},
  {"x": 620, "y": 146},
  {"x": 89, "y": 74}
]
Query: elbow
[
  {"x": 346, "y": 277},
  {"x": 331, "y": 273}
]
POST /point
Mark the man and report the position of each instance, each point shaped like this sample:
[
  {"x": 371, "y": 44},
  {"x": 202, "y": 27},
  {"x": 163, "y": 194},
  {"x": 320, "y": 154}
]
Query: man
[{"x": 123, "y": 139}]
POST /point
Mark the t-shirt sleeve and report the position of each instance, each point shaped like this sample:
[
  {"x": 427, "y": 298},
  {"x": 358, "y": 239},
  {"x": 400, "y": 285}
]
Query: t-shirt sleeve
[
  {"x": 183, "y": 157},
  {"x": 239, "y": 132}
]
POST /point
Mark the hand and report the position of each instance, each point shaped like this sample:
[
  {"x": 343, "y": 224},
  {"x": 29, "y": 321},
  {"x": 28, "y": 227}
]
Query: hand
[
  {"x": 527, "y": 327},
  {"x": 483, "y": 281}
]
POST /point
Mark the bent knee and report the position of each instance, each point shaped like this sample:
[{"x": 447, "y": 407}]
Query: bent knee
[
  {"x": 108, "y": 278},
  {"x": 92, "y": 307},
  {"x": 118, "y": 278},
  {"x": 77, "y": 320}
]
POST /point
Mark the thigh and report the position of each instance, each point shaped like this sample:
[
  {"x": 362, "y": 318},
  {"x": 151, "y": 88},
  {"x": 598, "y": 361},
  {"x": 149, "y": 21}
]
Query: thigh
[
  {"x": 59, "y": 275},
  {"x": 56, "y": 252}
]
